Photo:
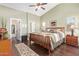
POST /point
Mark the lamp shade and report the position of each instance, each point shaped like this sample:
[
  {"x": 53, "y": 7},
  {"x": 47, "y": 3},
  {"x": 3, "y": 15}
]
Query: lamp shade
[{"x": 72, "y": 26}]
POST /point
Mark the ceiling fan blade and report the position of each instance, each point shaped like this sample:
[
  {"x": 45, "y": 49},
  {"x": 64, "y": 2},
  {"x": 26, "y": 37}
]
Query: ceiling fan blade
[
  {"x": 43, "y": 8},
  {"x": 32, "y": 5},
  {"x": 36, "y": 9},
  {"x": 43, "y": 3},
  {"x": 38, "y": 4}
]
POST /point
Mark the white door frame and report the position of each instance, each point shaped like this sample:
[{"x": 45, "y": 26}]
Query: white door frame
[{"x": 11, "y": 19}]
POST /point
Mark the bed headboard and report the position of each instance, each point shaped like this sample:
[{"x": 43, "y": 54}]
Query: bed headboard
[{"x": 56, "y": 28}]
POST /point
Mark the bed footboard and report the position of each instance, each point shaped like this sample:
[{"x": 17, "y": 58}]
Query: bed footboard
[{"x": 43, "y": 41}]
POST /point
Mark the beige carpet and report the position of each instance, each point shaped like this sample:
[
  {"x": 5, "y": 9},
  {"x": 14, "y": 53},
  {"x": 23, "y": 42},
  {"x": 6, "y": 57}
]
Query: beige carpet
[{"x": 24, "y": 50}]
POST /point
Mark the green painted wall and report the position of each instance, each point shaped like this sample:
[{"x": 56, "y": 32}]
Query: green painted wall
[
  {"x": 33, "y": 19},
  {"x": 7, "y": 13},
  {"x": 60, "y": 13}
]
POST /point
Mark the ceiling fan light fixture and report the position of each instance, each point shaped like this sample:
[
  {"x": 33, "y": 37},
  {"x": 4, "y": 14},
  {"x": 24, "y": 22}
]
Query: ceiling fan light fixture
[{"x": 39, "y": 6}]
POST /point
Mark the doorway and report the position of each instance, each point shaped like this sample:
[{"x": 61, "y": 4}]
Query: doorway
[{"x": 15, "y": 31}]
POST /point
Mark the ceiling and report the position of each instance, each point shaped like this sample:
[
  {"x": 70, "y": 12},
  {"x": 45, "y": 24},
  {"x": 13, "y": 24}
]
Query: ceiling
[{"x": 25, "y": 7}]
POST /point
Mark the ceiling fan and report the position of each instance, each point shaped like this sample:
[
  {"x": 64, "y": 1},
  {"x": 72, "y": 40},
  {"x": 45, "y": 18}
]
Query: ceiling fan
[{"x": 38, "y": 5}]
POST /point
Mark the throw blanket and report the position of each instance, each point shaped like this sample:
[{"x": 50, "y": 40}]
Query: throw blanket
[{"x": 57, "y": 36}]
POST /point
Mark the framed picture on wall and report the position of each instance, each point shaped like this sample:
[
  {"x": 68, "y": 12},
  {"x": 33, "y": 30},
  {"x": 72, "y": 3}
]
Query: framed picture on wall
[
  {"x": 13, "y": 29},
  {"x": 53, "y": 23}
]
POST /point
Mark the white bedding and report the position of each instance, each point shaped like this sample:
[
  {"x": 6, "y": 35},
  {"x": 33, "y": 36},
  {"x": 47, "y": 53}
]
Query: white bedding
[
  {"x": 54, "y": 37},
  {"x": 57, "y": 36}
]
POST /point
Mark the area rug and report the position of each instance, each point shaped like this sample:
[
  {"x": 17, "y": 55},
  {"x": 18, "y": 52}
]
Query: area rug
[
  {"x": 6, "y": 47},
  {"x": 24, "y": 50}
]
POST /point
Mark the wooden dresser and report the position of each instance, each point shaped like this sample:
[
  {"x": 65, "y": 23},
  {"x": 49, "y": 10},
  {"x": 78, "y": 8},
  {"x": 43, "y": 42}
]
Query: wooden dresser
[{"x": 72, "y": 40}]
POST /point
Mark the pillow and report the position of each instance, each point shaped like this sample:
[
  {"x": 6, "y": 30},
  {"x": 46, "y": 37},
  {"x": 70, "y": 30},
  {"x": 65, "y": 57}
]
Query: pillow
[{"x": 53, "y": 31}]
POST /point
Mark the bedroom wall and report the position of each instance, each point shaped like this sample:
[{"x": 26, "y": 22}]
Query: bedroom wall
[
  {"x": 33, "y": 19},
  {"x": 7, "y": 13},
  {"x": 60, "y": 13}
]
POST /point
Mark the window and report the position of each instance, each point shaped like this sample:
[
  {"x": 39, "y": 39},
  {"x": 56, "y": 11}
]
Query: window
[{"x": 71, "y": 21}]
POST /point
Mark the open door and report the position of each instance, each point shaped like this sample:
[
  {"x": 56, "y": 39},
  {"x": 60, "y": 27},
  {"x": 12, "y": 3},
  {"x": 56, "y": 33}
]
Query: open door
[{"x": 15, "y": 29}]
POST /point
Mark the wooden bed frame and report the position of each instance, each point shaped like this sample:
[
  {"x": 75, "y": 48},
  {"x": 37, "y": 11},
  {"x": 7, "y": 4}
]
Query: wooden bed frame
[{"x": 42, "y": 40}]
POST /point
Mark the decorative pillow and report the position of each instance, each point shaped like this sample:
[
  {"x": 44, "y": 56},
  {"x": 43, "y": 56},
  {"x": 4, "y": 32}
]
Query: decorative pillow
[{"x": 53, "y": 31}]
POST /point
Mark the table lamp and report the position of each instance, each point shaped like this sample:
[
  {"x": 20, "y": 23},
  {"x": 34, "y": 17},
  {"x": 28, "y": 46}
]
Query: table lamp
[{"x": 72, "y": 29}]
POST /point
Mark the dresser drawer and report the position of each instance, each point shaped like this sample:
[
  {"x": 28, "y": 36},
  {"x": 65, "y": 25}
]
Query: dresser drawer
[{"x": 72, "y": 40}]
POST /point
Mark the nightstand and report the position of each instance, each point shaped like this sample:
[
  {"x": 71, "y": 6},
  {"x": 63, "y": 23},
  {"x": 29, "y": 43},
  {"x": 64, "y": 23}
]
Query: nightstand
[{"x": 72, "y": 40}]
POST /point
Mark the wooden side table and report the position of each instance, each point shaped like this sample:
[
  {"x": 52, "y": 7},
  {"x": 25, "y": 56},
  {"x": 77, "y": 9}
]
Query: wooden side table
[{"x": 72, "y": 40}]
